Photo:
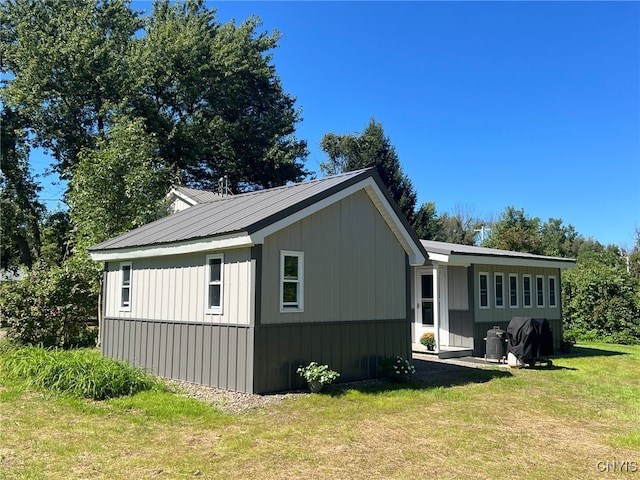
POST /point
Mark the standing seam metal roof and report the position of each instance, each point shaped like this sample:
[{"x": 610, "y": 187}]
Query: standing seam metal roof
[{"x": 245, "y": 212}]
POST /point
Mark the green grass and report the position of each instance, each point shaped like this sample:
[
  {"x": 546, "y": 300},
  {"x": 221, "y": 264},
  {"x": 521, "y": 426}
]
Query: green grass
[{"x": 470, "y": 423}]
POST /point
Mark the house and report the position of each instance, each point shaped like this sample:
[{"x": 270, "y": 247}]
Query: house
[
  {"x": 238, "y": 291},
  {"x": 463, "y": 291},
  {"x": 180, "y": 198}
]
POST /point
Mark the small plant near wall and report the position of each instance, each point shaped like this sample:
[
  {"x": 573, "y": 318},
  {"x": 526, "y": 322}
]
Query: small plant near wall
[
  {"x": 317, "y": 375},
  {"x": 428, "y": 340},
  {"x": 396, "y": 369}
]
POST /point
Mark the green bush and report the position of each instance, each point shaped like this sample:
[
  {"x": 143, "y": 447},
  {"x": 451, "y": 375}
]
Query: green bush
[
  {"x": 51, "y": 305},
  {"x": 81, "y": 373}
]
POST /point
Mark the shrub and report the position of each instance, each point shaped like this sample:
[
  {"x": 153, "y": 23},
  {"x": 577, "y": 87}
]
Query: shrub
[
  {"x": 81, "y": 373},
  {"x": 396, "y": 369},
  {"x": 51, "y": 305}
]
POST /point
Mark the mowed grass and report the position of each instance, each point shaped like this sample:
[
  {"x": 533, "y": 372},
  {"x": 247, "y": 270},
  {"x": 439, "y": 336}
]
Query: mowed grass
[{"x": 458, "y": 423}]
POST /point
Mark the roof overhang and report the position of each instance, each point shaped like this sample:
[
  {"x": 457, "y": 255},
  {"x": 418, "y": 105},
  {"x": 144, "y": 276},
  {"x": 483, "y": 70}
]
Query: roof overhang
[
  {"x": 466, "y": 260},
  {"x": 410, "y": 244},
  {"x": 234, "y": 240}
]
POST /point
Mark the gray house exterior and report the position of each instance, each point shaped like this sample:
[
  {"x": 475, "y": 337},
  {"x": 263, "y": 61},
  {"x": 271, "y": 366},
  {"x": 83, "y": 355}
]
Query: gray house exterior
[
  {"x": 462, "y": 291},
  {"x": 238, "y": 291}
]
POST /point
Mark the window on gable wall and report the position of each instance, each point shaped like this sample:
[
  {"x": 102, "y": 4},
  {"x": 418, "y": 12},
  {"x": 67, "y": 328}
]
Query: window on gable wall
[
  {"x": 291, "y": 281},
  {"x": 125, "y": 286},
  {"x": 215, "y": 271}
]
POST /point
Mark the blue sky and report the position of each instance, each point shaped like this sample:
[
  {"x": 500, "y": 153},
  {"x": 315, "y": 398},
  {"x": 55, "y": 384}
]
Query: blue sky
[{"x": 534, "y": 105}]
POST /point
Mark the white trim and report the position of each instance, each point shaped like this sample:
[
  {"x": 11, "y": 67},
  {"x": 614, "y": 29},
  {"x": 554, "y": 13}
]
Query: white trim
[
  {"x": 555, "y": 290},
  {"x": 524, "y": 305},
  {"x": 540, "y": 294},
  {"x": 216, "y": 309},
  {"x": 182, "y": 196},
  {"x": 495, "y": 289},
  {"x": 299, "y": 282},
  {"x": 416, "y": 258},
  {"x": 121, "y": 305},
  {"x": 514, "y": 275},
  {"x": 488, "y": 305},
  {"x": 466, "y": 260},
  {"x": 234, "y": 240}
]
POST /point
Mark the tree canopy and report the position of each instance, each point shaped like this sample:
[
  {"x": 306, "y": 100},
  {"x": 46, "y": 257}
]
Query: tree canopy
[
  {"x": 206, "y": 90},
  {"x": 371, "y": 148}
]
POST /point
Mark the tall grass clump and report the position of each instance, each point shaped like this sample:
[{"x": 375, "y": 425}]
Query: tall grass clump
[{"x": 82, "y": 373}]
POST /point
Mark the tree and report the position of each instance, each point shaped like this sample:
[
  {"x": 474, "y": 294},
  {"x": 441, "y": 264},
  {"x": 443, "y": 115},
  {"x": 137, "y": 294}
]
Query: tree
[
  {"x": 427, "y": 224},
  {"x": 207, "y": 91},
  {"x": 68, "y": 69},
  {"x": 370, "y": 149},
  {"x": 558, "y": 240},
  {"x": 515, "y": 231},
  {"x": 118, "y": 186},
  {"x": 19, "y": 204},
  {"x": 210, "y": 94}
]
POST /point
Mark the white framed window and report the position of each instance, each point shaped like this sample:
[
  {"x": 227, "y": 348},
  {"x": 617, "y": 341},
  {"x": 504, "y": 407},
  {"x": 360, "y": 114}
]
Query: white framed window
[
  {"x": 513, "y": 290},
  {"x": 483, "y": 285},
  {"x": 498, "y": 288},
  {"x": 291, "y": 281},
  {"x": 553, "y": 298},
  {"x": 214, "y": 283},
  {"x": 526, "y": 291},
  {"x": 539, "y": 291},
  {"x": 125, "y": 286}
]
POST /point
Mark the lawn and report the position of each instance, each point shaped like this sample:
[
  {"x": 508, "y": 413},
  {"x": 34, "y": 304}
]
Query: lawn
[{"x": 579, "y": 419}]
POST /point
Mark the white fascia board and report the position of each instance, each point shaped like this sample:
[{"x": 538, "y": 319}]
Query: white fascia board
[
  {"x": 178, "y": 248},
  {"x": 416, "y": 258},
  {"x": 507, "y": 261},
  {"x": 370, "y": 186},
  {"x": 182, "y": 197},
  {"x": 438, "y": 257}
]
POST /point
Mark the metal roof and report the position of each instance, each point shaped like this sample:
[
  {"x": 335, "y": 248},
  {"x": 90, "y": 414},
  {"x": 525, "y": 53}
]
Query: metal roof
[
  {"x": 490, "y": 254},
  {"x": 246, "y": 212}
]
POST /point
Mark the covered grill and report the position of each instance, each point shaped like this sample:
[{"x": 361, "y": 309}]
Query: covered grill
[{"x": 530, "y": 340}]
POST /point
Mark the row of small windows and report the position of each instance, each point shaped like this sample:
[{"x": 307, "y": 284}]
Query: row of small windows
[
  {"x": 529, "y": 291},
  {"x": 291, "y": 283}
]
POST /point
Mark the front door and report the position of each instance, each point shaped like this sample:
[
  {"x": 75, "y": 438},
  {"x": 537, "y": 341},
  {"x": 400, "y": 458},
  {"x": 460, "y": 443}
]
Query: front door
[{"x": 426, "y": 299}]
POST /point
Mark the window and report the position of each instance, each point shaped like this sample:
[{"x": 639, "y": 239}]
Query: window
[
  {"x": 291, "y": 281},
  {"x": 540, "y": 291},
  {"x": 498, "y": 283},
  {"x": 513, "y": 290},
  {"x": 125, "y": 286},
  {"x": 426, "y": 292},
  {"x": 215, "y": 270},
  {"x": 526, "y": 291},
  {"x": 484, "y": 290},
  {"x": 552, "y": 292}
]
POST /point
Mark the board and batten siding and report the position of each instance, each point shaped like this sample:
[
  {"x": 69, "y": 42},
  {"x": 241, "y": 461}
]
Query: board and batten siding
[
  {"x": 173, "y": 289},
  {"x": 204, "y": 353},
  {"x": 354, "y": 267}
]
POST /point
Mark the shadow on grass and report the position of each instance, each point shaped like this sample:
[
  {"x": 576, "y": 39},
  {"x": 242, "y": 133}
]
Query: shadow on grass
[
  {"x": 578, "y": 351},
  {"x": 428, "y": 375}
]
